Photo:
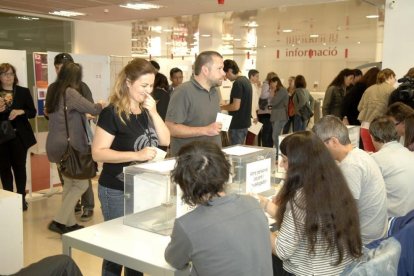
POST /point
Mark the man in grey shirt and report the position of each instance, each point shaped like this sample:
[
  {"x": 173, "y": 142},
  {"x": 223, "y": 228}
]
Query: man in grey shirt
[
  {"x": 193, "y": 107},
  {"x": 362, "y": 175}
]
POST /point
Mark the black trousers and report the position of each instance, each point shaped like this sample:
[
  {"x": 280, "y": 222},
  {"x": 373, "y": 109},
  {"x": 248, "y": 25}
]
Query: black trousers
[
  {"x": 265, "y": 135},
  {"x": 13, "y": 157},
  {"x": 59, "y": 265},
  {"x": 278, "y": 267}
]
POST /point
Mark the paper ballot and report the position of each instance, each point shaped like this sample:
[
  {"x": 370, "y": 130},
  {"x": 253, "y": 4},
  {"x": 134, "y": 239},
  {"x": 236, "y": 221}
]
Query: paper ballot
[
  {"x": 225, "y": 121},
  {"x": 255, "y": 127}
]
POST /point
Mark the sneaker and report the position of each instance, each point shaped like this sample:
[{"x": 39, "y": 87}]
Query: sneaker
[
  {"x": 58, "y": 227},
  {"x": 75, "y": 227},
  {"x": 86, "y": 215},
  {"x": 78, "y": 207}
]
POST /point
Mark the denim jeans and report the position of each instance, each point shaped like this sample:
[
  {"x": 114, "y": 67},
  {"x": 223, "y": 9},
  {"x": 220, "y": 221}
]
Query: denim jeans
[
  {"x": 112, "y": 204},
  {"x": 237, "y": 136},
  {"x": 298, "y": 123}
]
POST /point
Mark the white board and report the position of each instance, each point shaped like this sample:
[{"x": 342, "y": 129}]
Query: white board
[
  {"x": 95, "y": 73},
  {"x": 17, "y": 58}
]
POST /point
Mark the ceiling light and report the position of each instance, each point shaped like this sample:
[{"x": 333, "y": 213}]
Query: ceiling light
[
  {"x": 27, "y": 18},
  {"x": 314, "y": 35},
  {"x": 359, "y": 42},
  {"x": 205, "y": 35},
  {"x": 67, "y": 13},
  {"x": 140, "y": 6},
  {"x": 134, "y": 39},
  {"x": 237, "y": 39},
  {"x": 287, "y": 31},
  {"x": 251, "y": 24},
  {"x": 372, "y": 16}
]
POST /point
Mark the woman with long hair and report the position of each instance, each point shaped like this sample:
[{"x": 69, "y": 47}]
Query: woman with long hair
[
  {"x": 374, "y": 104},
  {"x": 263, "y": 114},
  {"x": 316, "y": 214},
  {"x": 334, "y": 95},
  {"x": 66, "y": 89},
  {"x": 225, "y": 234},
  {"x": 291, "y": 106},
  {"x": 301, "y": 97},
  {"x": 279, "y": 115},
  {"x": 351, "y": 100},
  {"x": 409, "y": 132},
  {"x": 129, "y": 130},
  {"x": 16, "y": 108}
]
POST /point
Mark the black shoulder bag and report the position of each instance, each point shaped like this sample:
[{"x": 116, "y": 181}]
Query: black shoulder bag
[{"x": 75, "y": 164}]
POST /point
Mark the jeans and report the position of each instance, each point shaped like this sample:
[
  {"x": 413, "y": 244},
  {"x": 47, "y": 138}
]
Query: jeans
[
  {"x": 298, "y": 123},
  {"x": 13, "y": 156},
  {"x": 237, "y": 136},
  {"x": 112, "y": 204},
  {"x": 265, "y": 135},
  {"x": 277, "y": 129},
  {"x": 286, "y": 128}
]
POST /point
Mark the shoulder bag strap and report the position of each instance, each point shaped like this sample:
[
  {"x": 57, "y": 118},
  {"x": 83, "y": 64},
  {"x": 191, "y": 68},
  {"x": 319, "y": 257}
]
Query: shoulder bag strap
[{"x": 65, "y": 108}]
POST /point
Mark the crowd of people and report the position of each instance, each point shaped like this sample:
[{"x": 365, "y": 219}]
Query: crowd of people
[{"x": 336, "y": 198}]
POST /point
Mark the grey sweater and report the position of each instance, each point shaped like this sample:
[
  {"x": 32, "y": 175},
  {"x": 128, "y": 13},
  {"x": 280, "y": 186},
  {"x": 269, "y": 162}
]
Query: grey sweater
[{"x": 56, "y": 139}]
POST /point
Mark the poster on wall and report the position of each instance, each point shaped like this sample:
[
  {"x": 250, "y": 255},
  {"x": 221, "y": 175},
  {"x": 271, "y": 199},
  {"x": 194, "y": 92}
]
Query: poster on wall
[{"x": 95, "y": 69}]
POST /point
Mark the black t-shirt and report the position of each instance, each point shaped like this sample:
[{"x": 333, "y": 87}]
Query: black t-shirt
[
  {"x": 136, "y": 134},
  {"x": 241, "y": 89}
]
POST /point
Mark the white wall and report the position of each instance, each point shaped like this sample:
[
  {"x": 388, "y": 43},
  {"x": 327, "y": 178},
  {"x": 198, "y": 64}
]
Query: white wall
[
  {"x": 102, "y": 38},
  {"x": 398, "y": 46}
]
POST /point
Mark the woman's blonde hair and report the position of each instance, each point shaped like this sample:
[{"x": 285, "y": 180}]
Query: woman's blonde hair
[
  {"x": 384, "y": 75},
  {"x": 119, "y": 97}
]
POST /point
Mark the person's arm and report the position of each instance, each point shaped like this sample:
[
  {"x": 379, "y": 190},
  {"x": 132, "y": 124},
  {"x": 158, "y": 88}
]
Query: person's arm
[
  {"x": 327, "y": 99},
  {"x": 101, "y": 151},
  {"x": 178, "y": 251},
  {"x": 75, "y": 100},
  {"x": 278, "y": 97},
  {"x": 183, "y": 131},
  {"x": 288, "y": 238},
  {"x": 28, "y": 105},
  {"x": 86, "y": 92},
  {"x": 234, "y": 106},
  {"x": 268, "y": 206},
  {"x": 162, "y": 130}
]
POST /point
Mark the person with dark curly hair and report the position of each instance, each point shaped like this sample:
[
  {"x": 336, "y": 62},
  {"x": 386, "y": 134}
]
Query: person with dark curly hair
[{"x": 226, "y": 234}]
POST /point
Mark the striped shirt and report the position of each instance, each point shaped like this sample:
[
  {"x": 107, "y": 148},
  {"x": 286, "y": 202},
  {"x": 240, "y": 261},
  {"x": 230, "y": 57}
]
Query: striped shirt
[{"x": 292, "y": 247}]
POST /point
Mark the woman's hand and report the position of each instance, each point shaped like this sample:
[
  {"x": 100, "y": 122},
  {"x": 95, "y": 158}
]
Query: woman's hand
[
  {"x": 2, "y": 105},
  {"x": 150, "y": 104},
  {"x": 15, "y": 112},
  {"x": 146, "y": 154}
]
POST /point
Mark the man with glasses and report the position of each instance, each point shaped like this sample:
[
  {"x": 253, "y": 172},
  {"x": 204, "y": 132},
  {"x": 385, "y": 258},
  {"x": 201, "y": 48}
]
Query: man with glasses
[{"x": 362, "y": 175}]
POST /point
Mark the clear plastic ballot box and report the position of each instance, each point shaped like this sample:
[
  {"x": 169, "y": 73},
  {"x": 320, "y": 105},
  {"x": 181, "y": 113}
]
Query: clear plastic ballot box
[
  {"x": 252, "y": 169},
  {"x": 151, "y": 201}
]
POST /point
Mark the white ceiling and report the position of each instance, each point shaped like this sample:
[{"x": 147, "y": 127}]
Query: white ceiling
[{"x": 109, "y": 10}]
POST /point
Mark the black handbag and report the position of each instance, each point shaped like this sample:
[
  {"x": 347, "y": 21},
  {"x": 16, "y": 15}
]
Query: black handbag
[
  {"x": 7, "y": 131},
  {"x": 75, "y": 164}
]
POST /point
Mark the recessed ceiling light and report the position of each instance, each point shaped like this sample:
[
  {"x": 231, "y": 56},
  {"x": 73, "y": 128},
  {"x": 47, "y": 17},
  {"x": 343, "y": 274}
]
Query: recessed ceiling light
[
  {"x": 66, "y": 13},
  {"x": 251, "y": 24},
  {"x": 27, "y": 18},
  {"x": 314, "y": 35},
  {"x": 372, "y": 16},
  {"x": 359, "y": 42},
  {"x": 140, "y": 6},
  {"x": 205, "y": 35},
  {"x": 237, "y": 39},
  {"x": 287, "y": 31},
  {"x": 134, "y": 39}
]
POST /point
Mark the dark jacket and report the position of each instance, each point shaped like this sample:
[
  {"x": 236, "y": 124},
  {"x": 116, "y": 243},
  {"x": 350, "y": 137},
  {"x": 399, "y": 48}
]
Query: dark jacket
[{"x": 22, "y": 99}]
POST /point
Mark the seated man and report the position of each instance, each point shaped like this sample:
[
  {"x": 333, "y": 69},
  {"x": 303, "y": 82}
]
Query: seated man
[
  {"x": 226, "y": 234},
  {"x": 362, "y": 175},
  {"x": 396, "y": 165}
]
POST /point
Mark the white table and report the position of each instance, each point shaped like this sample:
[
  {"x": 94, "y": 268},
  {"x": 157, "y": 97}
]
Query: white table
[{"x": 125, "y": 245}]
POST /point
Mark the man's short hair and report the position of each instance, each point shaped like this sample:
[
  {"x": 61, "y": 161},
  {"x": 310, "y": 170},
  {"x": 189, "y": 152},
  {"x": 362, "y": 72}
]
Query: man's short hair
[
  {"x": 231, "y": 64},
  {"x": 252, "y": 73},
  {"x": 382, "y": 130},
  {"x": 63, "y": 58},
  {"x": 175, "y": 70},
  {"x": 155, "y": 64},
  {"x": 330, "y": 126},
  {"x": 204, "y": 58}
]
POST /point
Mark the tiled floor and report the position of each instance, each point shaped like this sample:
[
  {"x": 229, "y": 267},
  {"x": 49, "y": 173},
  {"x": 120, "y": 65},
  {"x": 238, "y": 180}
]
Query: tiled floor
[{"x": 39, "y": 242}]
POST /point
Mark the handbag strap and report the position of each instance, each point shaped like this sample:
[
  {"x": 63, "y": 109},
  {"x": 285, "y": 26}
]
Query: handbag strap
[{"x": 65, "y": 108}]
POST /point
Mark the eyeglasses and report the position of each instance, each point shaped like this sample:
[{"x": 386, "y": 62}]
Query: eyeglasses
[{"x": 11, "y": 74}]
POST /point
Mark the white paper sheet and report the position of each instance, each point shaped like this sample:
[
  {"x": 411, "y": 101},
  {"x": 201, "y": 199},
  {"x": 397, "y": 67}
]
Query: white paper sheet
[
  {"x": 240, "y": 150},
  {"x": 225, "y": 121},
  {"x": 162, "y": 166},
  {"x": 258, "y": 176},
  {"x": 255, "y": 127},
  {"x": 160, "y": 154}
]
